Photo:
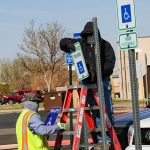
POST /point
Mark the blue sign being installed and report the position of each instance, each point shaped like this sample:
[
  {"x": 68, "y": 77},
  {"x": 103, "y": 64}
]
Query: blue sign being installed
[
  {"x": 126, "y": 14},
  {"x": 52, "y": 116},
  {"x": 79, "y": 62},
  {"x": 69, "y": 60},
  {"x": 76, "y": 35},
  {"x": 80, "y": 67}
]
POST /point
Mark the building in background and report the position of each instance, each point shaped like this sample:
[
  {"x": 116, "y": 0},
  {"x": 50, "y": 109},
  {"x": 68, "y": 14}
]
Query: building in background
[
  {"x": 142, "y": 56},
  {"x": 115, "y": 84}
]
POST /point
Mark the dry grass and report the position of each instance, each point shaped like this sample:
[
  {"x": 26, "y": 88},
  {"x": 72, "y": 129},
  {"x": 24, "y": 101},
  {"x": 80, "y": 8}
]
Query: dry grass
[{"x": 14, "y": 106}]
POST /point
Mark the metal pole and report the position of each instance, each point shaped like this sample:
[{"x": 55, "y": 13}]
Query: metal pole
[
  {"x": 146, "y": 86},
  {"x": 125, "y": 75},
  {"x": 71, "y": 105},
  {"x": 121, "y": 76},
  {"x": 135, "y": 100},
  {"x": 84, "y": 139},
  {"x": 99, "y": 82}
]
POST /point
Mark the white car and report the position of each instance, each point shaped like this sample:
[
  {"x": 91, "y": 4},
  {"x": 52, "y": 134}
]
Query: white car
[{"x": 145, "y": 135}]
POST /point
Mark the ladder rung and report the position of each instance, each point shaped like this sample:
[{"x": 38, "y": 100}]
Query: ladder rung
[
  {"x": 64, "y": 147},
  {"x": 85, "y": 108},
  {"x": 88, "y": 145},
  {"x": 92, "y": 108},
  {"x": 72, "y": 132},
  {"x": 89, "y": 86},
  {"x": 67, "y": 133},
  {"x": 93, "y": 144},
  {"x": 70, "y": 110},
  {"x": 96, "y": 130}
]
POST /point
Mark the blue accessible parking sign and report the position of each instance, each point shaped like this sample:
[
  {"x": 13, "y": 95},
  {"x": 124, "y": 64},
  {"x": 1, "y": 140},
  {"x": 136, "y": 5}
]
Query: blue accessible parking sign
[
  {"x": 80, "y": 67},
  {"x": 52, "y": 116},
  {"x": 69, "y": 59},
  {"x": 126, "y": 13}
]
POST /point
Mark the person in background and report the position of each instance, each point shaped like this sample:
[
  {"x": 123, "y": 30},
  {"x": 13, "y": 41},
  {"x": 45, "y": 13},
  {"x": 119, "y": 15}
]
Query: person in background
[
  {"x": 107, "y": 65},
  {"x": 31, "y": 131}
]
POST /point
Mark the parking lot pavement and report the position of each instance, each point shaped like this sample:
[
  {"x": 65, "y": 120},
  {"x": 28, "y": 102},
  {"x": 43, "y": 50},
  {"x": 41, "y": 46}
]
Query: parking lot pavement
[
  {"x": 14, "y": 111},
  {"x": 9, "y": 147}
]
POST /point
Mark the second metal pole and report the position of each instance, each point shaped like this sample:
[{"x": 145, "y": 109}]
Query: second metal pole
[
  {"x": 99, "y": 82},
  {"x": 135, "y": 100},
  {"x": 71, "y": 105}
]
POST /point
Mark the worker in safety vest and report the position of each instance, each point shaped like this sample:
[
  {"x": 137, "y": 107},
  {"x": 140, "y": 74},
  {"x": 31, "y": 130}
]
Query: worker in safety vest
[{"x": 31, "y": 131}]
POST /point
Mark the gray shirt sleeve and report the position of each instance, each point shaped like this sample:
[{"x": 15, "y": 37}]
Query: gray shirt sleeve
[{"x": 36, "y": 125}]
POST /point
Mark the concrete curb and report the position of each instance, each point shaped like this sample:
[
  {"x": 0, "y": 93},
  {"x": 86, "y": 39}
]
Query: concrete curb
[
  {"x": 10, "y": 146},
  {"x": 14, "y": 111}
]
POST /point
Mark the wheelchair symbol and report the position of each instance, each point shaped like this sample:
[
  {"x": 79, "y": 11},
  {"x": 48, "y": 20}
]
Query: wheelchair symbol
[
  {"x": 126, "y": 15},
  {"x": 80, "y": 67},
  {"x": 50, "y": 121}
]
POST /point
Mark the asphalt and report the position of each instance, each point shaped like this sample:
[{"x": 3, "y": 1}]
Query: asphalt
[{"x": 14, "y": 111}]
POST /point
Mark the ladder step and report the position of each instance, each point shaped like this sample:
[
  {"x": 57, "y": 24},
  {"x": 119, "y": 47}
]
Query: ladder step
[
  {"x": 93, "y": 144},
  {"x": 72, "y": 132},
  {"x": 89, "y": 86},
  {"x": 95, "y": 130},
  {"x": 92, "y": 108},
  {"x": 64, "y": 147},
  {"x": 67, "y": 133},
  {"x": 70, "y": 110},
  {"x": 85, "y": 108}
]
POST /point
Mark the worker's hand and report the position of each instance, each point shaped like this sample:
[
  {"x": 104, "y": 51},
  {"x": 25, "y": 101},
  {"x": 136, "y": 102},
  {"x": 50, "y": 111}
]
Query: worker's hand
[
  {"x": 70, "y": 45},
  {"x": 61, "y": 125}
]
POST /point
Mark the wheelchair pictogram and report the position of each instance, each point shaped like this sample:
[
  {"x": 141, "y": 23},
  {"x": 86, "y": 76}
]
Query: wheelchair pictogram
[
  {"x": 80, "y": 67},
  {"x": 126, "y": 13}
]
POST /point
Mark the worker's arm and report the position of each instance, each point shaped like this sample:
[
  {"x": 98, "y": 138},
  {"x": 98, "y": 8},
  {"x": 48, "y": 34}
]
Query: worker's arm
[
  {"x": 37, "y": 126},
  {"x": 108, "y": 58},
  {"x": 67, "y": 44}
]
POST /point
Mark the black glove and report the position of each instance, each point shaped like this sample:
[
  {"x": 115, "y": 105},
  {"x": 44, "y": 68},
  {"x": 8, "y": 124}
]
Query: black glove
[{"x": 70, "y": 45}]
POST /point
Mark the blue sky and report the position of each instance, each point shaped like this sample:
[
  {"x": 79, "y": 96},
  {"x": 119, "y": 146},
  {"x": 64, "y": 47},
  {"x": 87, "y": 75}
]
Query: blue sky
[{"x": 71, "y": 14}]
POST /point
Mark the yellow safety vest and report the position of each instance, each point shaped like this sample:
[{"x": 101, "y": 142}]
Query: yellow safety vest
[{"x": 25, "y": 138}]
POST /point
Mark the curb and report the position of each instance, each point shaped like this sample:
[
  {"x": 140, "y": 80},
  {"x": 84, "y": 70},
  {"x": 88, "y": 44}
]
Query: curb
[
  {"x": 15, "y": 111},
  {"x": 10, "y": 146}
]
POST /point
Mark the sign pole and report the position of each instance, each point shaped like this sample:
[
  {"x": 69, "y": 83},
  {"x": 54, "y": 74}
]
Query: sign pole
[
  {"x": 135, "y": 100},
  {"x": 71, "y": 105},
  {"x": 128, "y": 41},
  {"x": 69, "y": 62},
  {"x": 99, "y": 82},
  {"x": 70, "y": 74}
]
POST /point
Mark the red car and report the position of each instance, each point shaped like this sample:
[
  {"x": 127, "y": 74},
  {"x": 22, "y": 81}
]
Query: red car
[{"x": 17, "y": 96}]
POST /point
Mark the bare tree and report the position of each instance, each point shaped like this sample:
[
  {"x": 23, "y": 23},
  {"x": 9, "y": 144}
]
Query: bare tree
[
  {"x": 42, "y": 54},
  {"x": 5, "y": 73},
  {"x": 12, "y": 73}
]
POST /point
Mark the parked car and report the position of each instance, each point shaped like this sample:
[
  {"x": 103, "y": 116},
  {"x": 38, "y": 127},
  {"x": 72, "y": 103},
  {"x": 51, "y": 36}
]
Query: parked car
[
  {"x": 17, "y": 96},
  {"x": 1, "y": 99},
  {"x": 145, "y": 135},
  {"x": 14, "y": 97},
  {"x": 124, "y": 123}
]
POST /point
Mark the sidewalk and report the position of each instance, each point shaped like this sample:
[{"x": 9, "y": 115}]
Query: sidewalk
[{"x": 14, "y": 111}]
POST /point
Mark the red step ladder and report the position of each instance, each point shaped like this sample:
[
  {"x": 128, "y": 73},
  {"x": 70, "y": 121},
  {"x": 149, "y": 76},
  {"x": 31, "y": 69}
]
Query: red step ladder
[{"x": 83, "y": 111}]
